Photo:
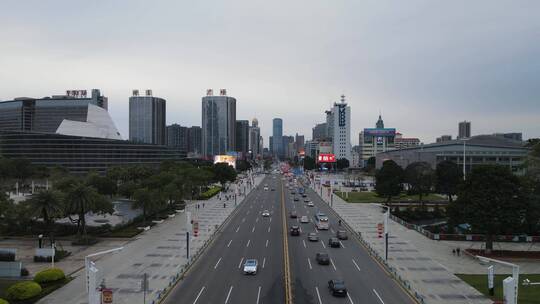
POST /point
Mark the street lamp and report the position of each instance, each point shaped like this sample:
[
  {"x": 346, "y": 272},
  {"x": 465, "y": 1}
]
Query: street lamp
[
  {"x": 515, "y": 274},
  {"x": 90, "y": 268},
  {"x": 464, "y": 144}
]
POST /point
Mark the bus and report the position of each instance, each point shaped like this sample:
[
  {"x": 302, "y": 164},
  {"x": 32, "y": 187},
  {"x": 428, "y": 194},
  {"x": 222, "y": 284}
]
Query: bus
[{"x": 321, "y": 221}]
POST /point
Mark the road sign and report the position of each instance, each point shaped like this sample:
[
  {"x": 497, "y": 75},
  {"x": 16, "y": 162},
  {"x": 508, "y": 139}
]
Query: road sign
[{"x": 106, "y": 296}]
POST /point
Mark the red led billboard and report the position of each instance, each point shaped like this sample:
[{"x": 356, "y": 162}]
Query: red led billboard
[{"x": 326, "y": 158}]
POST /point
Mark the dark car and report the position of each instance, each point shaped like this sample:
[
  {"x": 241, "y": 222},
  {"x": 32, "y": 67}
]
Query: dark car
[
  {"x": 296, "y": 199},
  {"x": 306, "y": 200},
  {"x": 337, "y": 288},
  {"x": 304, "y": 195},
  {"x": 294, "y": 214},
  {"x": 295, "y": 230},
  {"x": 273, "y": 189},
  {"x": 322, "y": 258},
  {"x": 313, "y": 237},
  {"x": 342, "y": 235},
  {"x": 333, "y": 242}
]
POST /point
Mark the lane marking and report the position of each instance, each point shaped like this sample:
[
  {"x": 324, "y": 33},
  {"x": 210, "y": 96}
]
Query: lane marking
[
  {"x": 318, "y": 294},
  {"x": 266, "y": 243},
  {"x": 200, "y": 292},
  {"x": 228, "y": 295},
  {"x": 271, "y": 218},
  {"x": 256, "y": 220},
  {"x": 241, "y": 260},
  {"x": 378, "y": 296},
  {"x": 264, "y": 261},
  {"x": 343, "y": 246},
  {"x": 331, "y": 229},
  {"x": 269, "y": 229},
  {"x": 333, "y": 265},
  {"x": 258, "y": 294},
  {"x": 247, "y": 213},
  {"x": 323, "y": 244},
  {"x": 247, "y": 245},
  {"x": 349, "y": 296},
  {"x": 243, "y": 220},
  {"x": 303, "y": 241},
  {"x": 217, "y": 263},
  {"x": 253, "y": 230},
  {"x": 357, "y": 267},
  {"x": 237, "y": 228},
  {"x": 309, "y": 262},
  {"x": 228, "y": 245}
]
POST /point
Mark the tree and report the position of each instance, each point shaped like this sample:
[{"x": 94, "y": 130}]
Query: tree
[
  {"x": 420, "y": 178},
  {"x": 309, "y": 163},
  {"x": 224, "y": 173},
  {"x": 242, "y": 165},
  {"x": 267, "y": 164},
  {"x": 22, "y": 169},
  {"x": 143, "y": 200},
  {"x": 388, "y": 180},
  {"x": 489, "y": 200},
  {"x": 104, "y": 185},
  {"x": 448, "y": 177},
  {"x": 370, "y": 165},
  {"x": 49, "y": 205},
  {"x": 342, "y": 163},
  {"x": 81, "y": 199}
]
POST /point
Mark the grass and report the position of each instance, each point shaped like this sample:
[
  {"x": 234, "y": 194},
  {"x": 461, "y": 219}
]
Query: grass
[
  {"x": 372, "y": 197},
  {"x": 46, "y": 289},
  {"x": 527, "y": 294}
]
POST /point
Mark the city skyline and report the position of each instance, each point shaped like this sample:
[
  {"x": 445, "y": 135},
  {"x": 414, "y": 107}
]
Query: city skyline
[{"x": 375, "y": 64}]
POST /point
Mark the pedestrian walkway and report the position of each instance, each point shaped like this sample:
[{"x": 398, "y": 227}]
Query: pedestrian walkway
[
  {"x": 160, "y": 253},
  {"x": 412, "y": 259}
]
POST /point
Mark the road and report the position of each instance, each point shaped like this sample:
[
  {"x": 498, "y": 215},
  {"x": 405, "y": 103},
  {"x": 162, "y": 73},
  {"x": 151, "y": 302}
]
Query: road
[{"x": 217, "y": 276}]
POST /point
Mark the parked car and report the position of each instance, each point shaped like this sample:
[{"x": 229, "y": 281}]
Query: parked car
[
  {"x": 313, "y": 237},
  {"x": 295, "y": 231},
  {"x": 294, "y": 214},
  {"x": 322, "y": 258},
  {"x": 342, "y": 235},
  {"x": 334, "y": 242},
  {"x": 251, "y": 266},
  {"x": 304, "y": 219},
  {"x": 337, "y": 288}
]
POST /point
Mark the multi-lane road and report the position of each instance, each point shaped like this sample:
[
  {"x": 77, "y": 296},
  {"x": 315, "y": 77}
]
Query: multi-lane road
[{"x": 217, "y": 276}]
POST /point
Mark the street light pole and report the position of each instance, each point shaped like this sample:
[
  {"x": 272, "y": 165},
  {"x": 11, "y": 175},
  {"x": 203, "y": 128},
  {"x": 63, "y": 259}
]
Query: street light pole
[
  {"x": 464, "y": 159},
  {"x": 515, "y": 272},
  {"x": 87, "y": 267}
]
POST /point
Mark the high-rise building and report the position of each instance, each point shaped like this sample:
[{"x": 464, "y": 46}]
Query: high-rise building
[
  {"x": 147, "y": 116},
  {"x": 319, "y": 132},
  {"x": 277, "y": 137},
  {"x": 271, "y": 144},
  {"x": 341, "y": 129},
  {"x": 255, "y": 139},
  {"x": 464, "y": 129},
  {"x": 45, "y": 115},
  {"x": 376, "y": 140},
  {"x": 242, "y": 137},
  {"x": 329, "y": 125},
  {"x": 299, "y": 143},
  {"x": 444, "y": 138},
  {"x": 177, "y": 137},
  {"x": 218, "y": 123},
  {"x": 288, "y": 147},
  {"x": 194, "y": 140}
]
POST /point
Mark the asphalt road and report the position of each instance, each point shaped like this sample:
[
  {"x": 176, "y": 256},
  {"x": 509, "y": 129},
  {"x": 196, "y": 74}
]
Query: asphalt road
[
  {"x": 217, "y": 276},
  {"x": 365, "y": 280}
]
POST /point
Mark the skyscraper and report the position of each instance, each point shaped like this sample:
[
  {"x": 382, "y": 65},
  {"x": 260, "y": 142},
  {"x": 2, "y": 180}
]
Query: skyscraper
[
  {"x": 277, "y": 137},
  {"x": 194, "y": 140},
  {"x": 341, "y": 129},
  {"x": 299, "y": 142},
  {"x": 147, "y": 116},
  {"x": 218, "y": 123},
  {"x": 242, "y": 137},
  {"x": 464, "y": 129},
  {"x": 319, "y": 132},
  {"x": 177, "y": 137},
  {"x": 255, "y": 139}
]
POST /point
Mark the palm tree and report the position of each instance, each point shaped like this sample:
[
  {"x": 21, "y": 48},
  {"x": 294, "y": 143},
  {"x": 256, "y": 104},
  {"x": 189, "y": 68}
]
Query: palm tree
[
  {"x": 47, "y": 204},
  {"x": 143, "y": 200},
  {"x": 81, "y": 199}
]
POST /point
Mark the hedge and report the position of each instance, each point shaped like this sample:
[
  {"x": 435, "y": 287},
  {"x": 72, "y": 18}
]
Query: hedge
[
  {"x": 49, "y": 275},
  {"x": 210, "y": 193},
  {"x": 23, "y": 291},
  {"x": 2, "y": 301}
]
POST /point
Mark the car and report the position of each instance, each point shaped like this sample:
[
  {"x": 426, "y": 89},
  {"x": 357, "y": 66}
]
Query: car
[
  {"x": 304, "y": 219},
  {"x": 304, "y": 195},
  {"x": 296, "y": 199},
  {"x": 295, "y": 230},
  {"x": 337, "y": 288},
  {"x": 273, "y": 189},
  {"x": 313, "y": 237},
  {"x": 251, "y": 266},
  {"x": 322, "y": 258},
  {"x": 307, "y": 200},
  {"x": 265, "y": 188},
  {"x": 293, "y": 192},
  {"x": 310, "y": 204},
  {"x": 294, "y": 214},
  {"x": 334, "y": 242},
  {"x": 266, "y": 213},
  {"x": 342, "y": 234}
]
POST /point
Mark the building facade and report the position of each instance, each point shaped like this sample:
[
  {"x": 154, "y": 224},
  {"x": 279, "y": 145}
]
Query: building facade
[
  {"x": 401, "y": 142},
  {"x": 464, "y": 129},
  {"x": 376, "y": 140},
  {"x": 218, "y": 124},
  {"x": 319, "y": 132},
  {"x": 195, "y": 140},
  {"x": 242, "y": 137},
  {"x": 255, "y": 147},
  {"x": 177, "y": 137},
  {"x": 147, "y": 116},
  {"x": 299, "y": 143},
  {"x": 277, "y": 138},
  {"x": 341, "y": 129},
  {"x": 444, "y": 138}
]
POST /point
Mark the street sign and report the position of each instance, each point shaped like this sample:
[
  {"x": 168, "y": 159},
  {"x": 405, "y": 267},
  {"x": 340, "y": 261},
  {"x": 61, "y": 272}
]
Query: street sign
[
  {"x": 106, "y": 296},
  {"x": 491, "y": 273}
]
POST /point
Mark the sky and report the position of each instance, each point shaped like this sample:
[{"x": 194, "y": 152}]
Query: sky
[{"x": 425, "y": 65}]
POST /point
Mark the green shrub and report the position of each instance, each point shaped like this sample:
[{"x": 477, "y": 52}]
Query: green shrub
[
  {"x": 49, "y": 275},
  {"x": 2, "y": 301},
  {"x": 23, "y": 291},
  {"x": 210, "y": 193}
]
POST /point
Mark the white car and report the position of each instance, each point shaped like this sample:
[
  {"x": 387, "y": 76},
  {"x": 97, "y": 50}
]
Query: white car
[
  {"x": 310, "y": 204},
  {"x": 266, "y": 213},
  {"x": 304, "y": 219},
  {"x": 265, "y": 188},
  {"x": 251, "y": 266}
]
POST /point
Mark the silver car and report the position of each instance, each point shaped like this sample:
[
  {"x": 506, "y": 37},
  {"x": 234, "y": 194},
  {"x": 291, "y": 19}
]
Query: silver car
[{"x": 251, "y": 266}]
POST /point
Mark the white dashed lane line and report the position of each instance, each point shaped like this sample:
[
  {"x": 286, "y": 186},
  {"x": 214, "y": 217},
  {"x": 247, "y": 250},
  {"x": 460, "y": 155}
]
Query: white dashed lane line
[
  {"x": 248, "y": 242},
  {"x": 303, "y": 241},
  {"x": 229, "y": 245},
  {"x": 309, "y": 263},
  {"x": 318, "y": 294},
  {"x": 333, "y": 265},
  {"x": 228, "y": 295},
  {"x": 378, "y": 296},
  {"x": 324, "y": 246},
  {"x": 199, "y": 295},
  {"x": 240, "y": 264},
  {"x": 357, "y": 267},
  {"x": 266, "y": 243},
  {"x": 237, "y": 228},
  {"x": 264, "y": 261},
  {"x": 217, "y": 263}
]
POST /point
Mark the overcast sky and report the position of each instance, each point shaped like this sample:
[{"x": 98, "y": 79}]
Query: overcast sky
[{"x": 424, "y": 64}]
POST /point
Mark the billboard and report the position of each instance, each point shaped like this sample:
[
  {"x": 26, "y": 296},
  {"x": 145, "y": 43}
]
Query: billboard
[
  {"x": 325, "y": 147},
  {"x": 376, "y": 132},
  {"x": 228, "y": 159},
  {"x": 326, "y": 158}
]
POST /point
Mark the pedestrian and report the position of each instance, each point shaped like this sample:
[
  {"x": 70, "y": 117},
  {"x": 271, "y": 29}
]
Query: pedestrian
[
  {"x": 453, "y": 252},
  {"x": 224, "y": 205},
  {"x": 458, "y": 251},
  {"x": 203, "y": 205}
]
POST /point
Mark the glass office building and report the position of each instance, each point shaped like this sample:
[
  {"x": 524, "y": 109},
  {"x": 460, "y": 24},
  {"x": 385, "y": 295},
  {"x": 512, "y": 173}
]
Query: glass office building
[
  {"x": 218, "y": 125},
  {"x": 147, "y": 119}
]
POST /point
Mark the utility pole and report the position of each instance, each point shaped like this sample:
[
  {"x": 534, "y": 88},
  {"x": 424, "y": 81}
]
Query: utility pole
[{"x": 386, "y": 229}]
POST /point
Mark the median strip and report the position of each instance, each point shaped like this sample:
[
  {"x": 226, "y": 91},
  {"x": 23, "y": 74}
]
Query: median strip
[{"x": 286, "y": 265}]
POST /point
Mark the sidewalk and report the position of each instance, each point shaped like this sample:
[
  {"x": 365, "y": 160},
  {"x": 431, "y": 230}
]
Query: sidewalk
[
  {"x": 159, "y": 252},
  {"x": 413, "y": 257}
]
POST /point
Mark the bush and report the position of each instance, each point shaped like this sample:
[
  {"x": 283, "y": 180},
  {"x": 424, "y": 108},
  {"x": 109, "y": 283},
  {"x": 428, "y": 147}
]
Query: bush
[
  {"x": 210, "y": 193},
  {"x": 49, "y": 275},
  {"x": 7, "y": 256},
  {"x": 23, "y": 290},
  {"x": 2, "y": 301},
  {"x": 24, "y": 273}
]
